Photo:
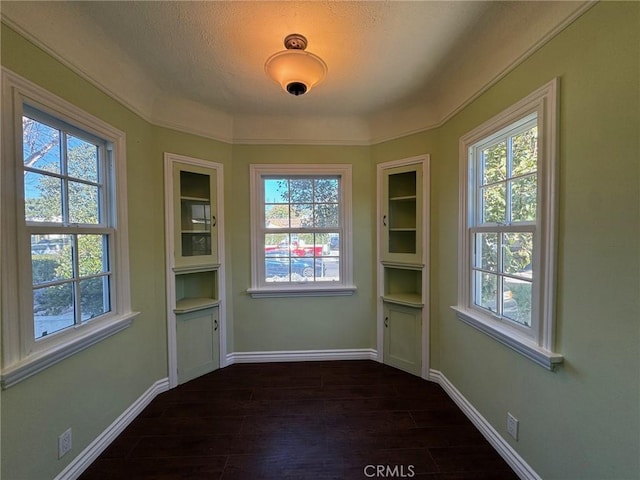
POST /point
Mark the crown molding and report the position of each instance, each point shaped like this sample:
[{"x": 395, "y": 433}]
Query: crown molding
[
  {"x": 133, "y": 90},
  {"x": 137, "y": 92}
]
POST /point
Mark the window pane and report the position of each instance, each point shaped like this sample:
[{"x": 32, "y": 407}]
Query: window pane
[
  {"x": 92, "y": 254},
  {"x": 82, "y": 159},
  {"x": 326, "y": 215},
  {"x": 276, "y": 269},
  {"x": 276, "y": 190},
  {"x": 301, "y": 190},
  {"x": 302, "y": 215},
  {"x": 494, "y": 204},
  {"x": 321, "y": 244},
  {"x": 276, "y": 216},
  {"x": 52, "y": 309},
  {"x": 40, "y": 146},
  {"x": 42, "y": 198},
  {"x": 525, "y": 152},
  {"x": 326, "y": 190},
  {"x": 84, "y": 203},
  {"x": 195, "y": 216},
  {"x": 305, "y": 269},
  {"x": 276, "y": 245},
  {"x": 517, "y": 253},
  {"x": 486, "y": 251},
  {"x": 486, "y": 288},
  {"x": 330, "y": 269},
  {"x": 334, "y": 244},
  {"x": 517, "y": 300},
  {"x": 494, "y": 163},
  {"x": 94, "y": 297},
  {"x": 523, "y": 199},
  {"x": 51, "y": 258}
]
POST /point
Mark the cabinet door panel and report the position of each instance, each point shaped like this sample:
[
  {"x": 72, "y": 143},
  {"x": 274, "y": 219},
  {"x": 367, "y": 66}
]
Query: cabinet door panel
[
  {"x": 403, "y": 338},
  {"x": 197, "y": 343}
]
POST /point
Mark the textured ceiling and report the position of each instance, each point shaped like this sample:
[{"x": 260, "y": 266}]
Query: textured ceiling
[
  {"x": 394, "y": 67},
  {"x": 214, "y": 52}
]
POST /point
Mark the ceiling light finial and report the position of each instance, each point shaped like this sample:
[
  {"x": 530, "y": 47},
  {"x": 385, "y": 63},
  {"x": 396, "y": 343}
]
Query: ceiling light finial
[{"x": 296, "y": 70}]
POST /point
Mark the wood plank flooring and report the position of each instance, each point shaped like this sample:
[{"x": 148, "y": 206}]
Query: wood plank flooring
[{"x": 338, "y": 420}]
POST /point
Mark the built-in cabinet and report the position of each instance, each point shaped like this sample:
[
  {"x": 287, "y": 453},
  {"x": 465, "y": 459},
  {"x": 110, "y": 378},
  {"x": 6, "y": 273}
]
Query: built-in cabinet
[
  {"x": 403, "y": 264},
  {"x": 194, "y": 273}
]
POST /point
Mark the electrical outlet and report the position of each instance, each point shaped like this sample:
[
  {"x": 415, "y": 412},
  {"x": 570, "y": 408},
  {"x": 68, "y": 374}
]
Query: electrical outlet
[
  {"x": 64, "y": 443},
  {"x": 512, "y": 426}
]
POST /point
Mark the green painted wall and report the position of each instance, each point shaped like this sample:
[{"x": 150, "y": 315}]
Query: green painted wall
[
  {"x": 303, "y": 323},
  {"x": 582, "y": 421},
  {"x": 88, "y": 391}
]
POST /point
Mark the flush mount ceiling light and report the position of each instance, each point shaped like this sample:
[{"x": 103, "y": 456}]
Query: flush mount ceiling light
[{"x": 294, "y": 69}]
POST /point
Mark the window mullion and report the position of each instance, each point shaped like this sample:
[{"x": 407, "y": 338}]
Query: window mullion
[
  {"x": 500, "y": 279},
  {"x": 65, "y": 177},
  {"x": 76, "y": 279},
  {"x": 508, "y": 209}
]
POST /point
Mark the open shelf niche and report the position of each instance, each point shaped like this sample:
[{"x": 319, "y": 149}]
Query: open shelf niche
[
  {"x": 196, "y": 289},
  {"x": 403, "y": 286}
]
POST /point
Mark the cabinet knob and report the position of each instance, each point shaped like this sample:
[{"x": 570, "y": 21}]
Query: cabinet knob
[
  {"x": 384, "y": 220},
  {"x": 386, "y": 322},
  {"x": 214, "y": 221},
  {"x": 215, "y": 325}
]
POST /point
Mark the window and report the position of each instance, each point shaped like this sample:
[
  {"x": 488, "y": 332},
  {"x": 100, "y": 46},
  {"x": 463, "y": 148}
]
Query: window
[
  {"x": 66, "y": 219},
  {"x": 64, "y": 177},
  {"x": 301, "y": 230},
  {"x": 507, "y": 236}
]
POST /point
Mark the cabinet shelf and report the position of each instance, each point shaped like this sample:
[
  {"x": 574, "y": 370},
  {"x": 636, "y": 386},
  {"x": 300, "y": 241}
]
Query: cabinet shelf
[
  {"x": 404, "y": 198},
  {"x": 186, "y": 305},
  {"x": 196, "y": 269},
  {"x": 194, "y": 199},
  {"x": 407, "y": 299}
]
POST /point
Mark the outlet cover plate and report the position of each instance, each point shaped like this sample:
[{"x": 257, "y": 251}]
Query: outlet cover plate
[
  {"x": 512, "y": 426},
  {"x": 64, "y": 443}
]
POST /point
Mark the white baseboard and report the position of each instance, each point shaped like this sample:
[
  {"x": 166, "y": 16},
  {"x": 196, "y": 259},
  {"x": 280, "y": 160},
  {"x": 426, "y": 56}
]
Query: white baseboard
[
  {"x": 506, "y": 451},
  {"x": 302, "y": 356},
  {"x": 95, "y": 448}
]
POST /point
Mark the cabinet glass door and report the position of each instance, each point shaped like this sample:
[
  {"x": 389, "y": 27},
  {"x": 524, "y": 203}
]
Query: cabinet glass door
[
  {"x": 401, "y": 220},
  {"x": 195, "y": 215}
]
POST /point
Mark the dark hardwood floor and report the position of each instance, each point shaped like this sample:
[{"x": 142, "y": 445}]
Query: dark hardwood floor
[{"x": 308, "y": 421}]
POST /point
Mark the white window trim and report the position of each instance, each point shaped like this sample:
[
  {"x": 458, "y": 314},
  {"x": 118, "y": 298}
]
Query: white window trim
[
  {"x": 23, "y": 356},
  {"x": 539, "y": 346},
  {"x": 346, "y": 286}
]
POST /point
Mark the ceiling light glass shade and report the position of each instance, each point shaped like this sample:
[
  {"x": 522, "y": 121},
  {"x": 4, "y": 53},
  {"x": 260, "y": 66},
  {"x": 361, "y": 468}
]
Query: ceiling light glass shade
[{"x": 297, "y": 71}]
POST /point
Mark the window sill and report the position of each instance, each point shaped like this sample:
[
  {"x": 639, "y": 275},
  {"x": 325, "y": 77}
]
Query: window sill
[
  {"x": 39, "y": 361},
  {"x": 523, "y": 346},
  {"x": 292, "y": 291}
]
